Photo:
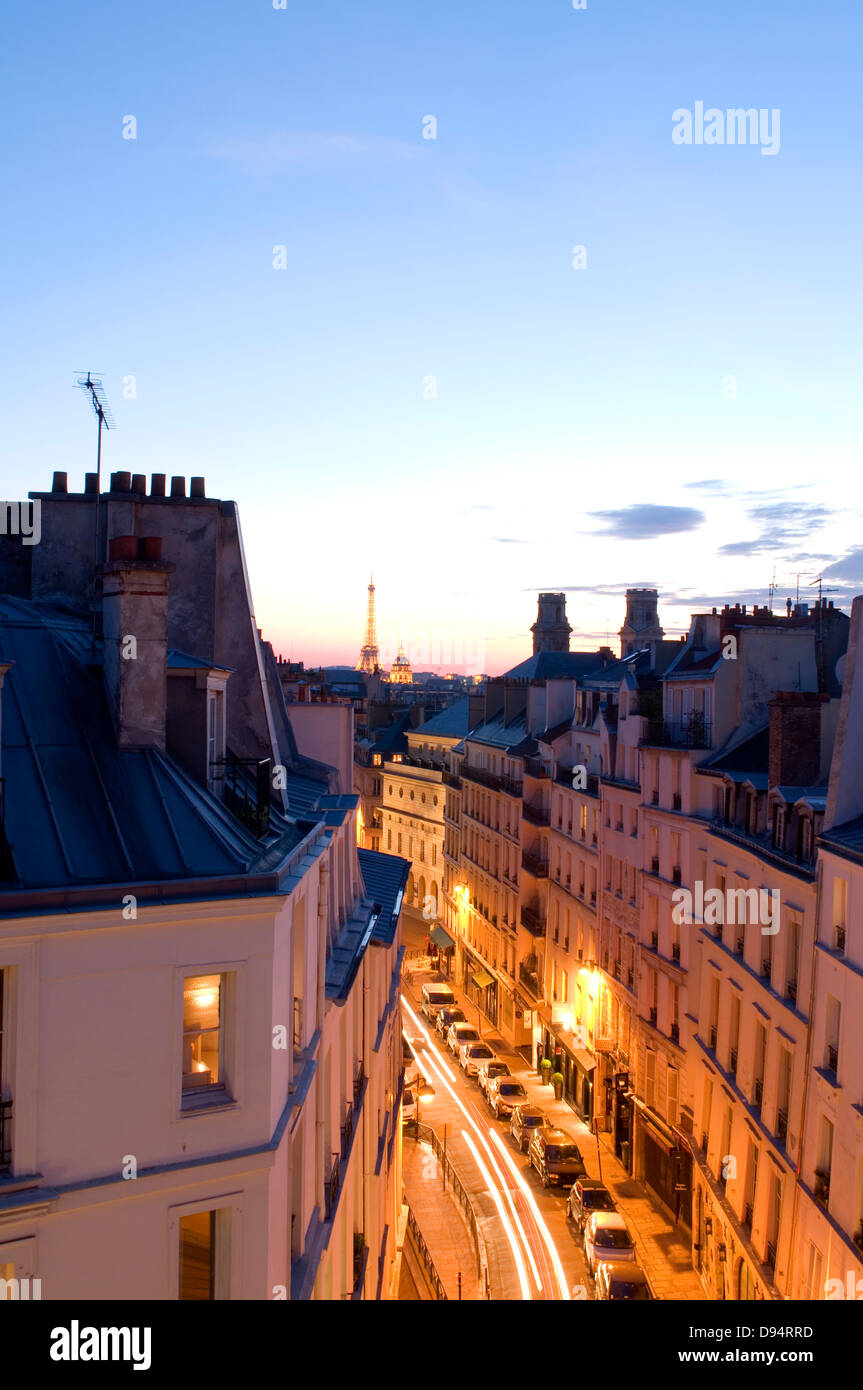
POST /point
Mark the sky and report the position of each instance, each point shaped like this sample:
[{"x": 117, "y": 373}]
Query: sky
[{"x": 550, "y": 348}]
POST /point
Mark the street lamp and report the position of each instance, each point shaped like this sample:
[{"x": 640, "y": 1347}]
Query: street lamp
[{"x": 423, "y": 1092}]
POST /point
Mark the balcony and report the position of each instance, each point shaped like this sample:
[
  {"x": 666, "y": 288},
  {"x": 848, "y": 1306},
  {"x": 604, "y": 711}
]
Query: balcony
[
  {"x": 821, "y": 1189},
  {"x": 530, "y": 980},
  {"x": 653, "y": 1018},
  {"x": 359, "y": 1082},
  {"x": 839, "y": 939},
  {"x": 747, "y": 1215},
  {"x": 832, "y": 1058},
  {"x": 537, "y": 815},
  {"x": 564, "y": 776},
  {"x": 732, "y": 1061},
  {"x": 5, "y": 1135},
  {"x": 676, "y": 874},
  {"x": 675, "y": 1032},
  {"x": 675, "y": 951},
  {"x": 791, "y": 991},
  {"x": 757, "y": 1092},
  {"x": 739, "y": 945},
  {"x": 713, "y": 1035},
  {"x": 534, "y": 767},
  {"x": 449, "y": 779},
  {"x": 766, "y": 967},
  {"x": 676, "y": 801},
  {"x": 532, "y": 921},
  {"x": 488, "y": 779},
  {"x": 654, "y": 797},
  {"x": 694, "y": 731},
  {"x": 654, "y": 866},
  {"x": 770, "y": 1254},
  {"x": 331, "y": 1187},
  {"x": 244, "y": 786},
  {"x": 535, "y": 864},
  {"x": 654, "y": 941},
  {"x": 782, "y": 1125}
]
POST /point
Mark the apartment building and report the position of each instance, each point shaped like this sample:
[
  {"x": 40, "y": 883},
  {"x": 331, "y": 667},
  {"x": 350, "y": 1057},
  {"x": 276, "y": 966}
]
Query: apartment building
[
  {"x": 827, "y": 1232},
  {"x": 199, "y": 1063}
]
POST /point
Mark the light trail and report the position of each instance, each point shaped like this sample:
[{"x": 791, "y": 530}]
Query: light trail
[
  {"x": 507, "y": 1225},
  {"x": 532, "y": 1212}
]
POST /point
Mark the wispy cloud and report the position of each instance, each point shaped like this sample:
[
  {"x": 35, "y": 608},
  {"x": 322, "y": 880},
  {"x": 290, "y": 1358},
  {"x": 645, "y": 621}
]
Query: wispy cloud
[
  {"x": 508, "y": 540},
  {"x": 267, "y": 153},
  {"x": 646, "y": 520},
  {"x": 782, "y": 525}
]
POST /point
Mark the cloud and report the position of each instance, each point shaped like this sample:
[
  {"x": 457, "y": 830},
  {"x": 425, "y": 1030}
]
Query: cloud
[
  {"x": 644, "y": 520},
  {"x": 508, "y": 540},
  {"x": 716, "y": 485},
  {"x": 783, "y": 525},
  {"x": 615, "y": 590},
  {"x": 849, "y": 570},
  {"x": 266, "y": 153}
]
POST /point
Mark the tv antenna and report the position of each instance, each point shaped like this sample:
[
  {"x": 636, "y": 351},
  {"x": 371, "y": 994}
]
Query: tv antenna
[
  {"x": 771, "y": 592},
  {"x": 92, "y": 384}
]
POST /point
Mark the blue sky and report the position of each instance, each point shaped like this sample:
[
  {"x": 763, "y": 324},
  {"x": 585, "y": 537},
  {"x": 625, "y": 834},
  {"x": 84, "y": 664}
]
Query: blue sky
[{"x": 586, "y": 432}]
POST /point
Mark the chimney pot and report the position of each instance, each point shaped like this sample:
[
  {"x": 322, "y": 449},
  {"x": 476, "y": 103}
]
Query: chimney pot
[
  {"x": 61, "y": 482},
  {"x": 123, "y": 548},
  {"x": 198, "y": 487},
  {"x": 150, "y": 548},
  {"x": 178, "y": 486},
  {"x": 157, "y": 485},
  {"x": 121, "y": 482},
  {"x": 139, "y": 483},
  {"x": 91, "y": 482}
]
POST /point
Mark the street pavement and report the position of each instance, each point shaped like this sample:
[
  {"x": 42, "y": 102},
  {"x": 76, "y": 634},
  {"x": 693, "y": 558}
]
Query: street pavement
[{"x": 663, "y": 1249}]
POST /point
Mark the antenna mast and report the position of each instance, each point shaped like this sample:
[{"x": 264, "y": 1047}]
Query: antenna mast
[{"x": 93, "y": 386}]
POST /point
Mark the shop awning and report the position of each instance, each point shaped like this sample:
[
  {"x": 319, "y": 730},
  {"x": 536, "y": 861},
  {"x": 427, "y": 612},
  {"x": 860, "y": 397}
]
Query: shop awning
[
  {"x": 440, "y": 938},
  {"x": 585, "y": 1060},
  {"x": 482, "y": 978}
]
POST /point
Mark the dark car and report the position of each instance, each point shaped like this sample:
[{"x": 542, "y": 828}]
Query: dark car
[
  {"x": 556, "y": 1157},
  {"x": 451, "y": 1014},
  {"x": 586, "y": 1196},
  {"x": 525, "y": 1119},
  {"x": 622, "y": 1281}
]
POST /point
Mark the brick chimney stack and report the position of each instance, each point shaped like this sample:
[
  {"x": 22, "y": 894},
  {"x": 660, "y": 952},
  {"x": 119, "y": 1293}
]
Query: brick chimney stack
[
  {"x": 794, "y": 758},
  {"x": 135, "y": 626}
]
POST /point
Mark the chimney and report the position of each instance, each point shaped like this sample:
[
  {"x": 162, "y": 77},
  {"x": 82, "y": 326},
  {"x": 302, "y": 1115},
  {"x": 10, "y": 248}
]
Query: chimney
[
  {"x": 514, "y": 701},
  {"x": 476, "y": 707},
  {"x": 61, "y": 482},
  {"x": 135, "y": 628},
  {"x": 794, "y": 757}
]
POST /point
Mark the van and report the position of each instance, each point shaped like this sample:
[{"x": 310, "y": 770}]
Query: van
[
  {"x": 435, "y": 998},
  {"x": 556, "y": 1157}
]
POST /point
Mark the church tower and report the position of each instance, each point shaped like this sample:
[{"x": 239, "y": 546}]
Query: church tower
[
  {"x": 641, "y": 626},
  {"x": 551, "y": 630}
]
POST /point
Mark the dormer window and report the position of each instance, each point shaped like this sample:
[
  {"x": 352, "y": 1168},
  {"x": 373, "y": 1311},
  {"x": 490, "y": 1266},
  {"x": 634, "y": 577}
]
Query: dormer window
[
  {"x": 215, "y": 736},
  {"x": 778, "y": 825}
]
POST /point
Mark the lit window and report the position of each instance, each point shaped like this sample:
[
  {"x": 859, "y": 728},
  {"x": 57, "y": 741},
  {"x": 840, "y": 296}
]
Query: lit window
[
  {"x": 376, "y": 759},
  {"x": 202, "y": 1032},
  {"x": 198, "y": 1256}
]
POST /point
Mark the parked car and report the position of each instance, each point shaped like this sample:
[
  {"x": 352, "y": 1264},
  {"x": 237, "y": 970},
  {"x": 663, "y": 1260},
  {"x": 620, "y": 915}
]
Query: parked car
[
  {"x": 587, "y": 1195},
  {"x": 556, "y": 1157},
  {"x": 607, "y": 1237},
  {"x": 491, "y": 1069},
  {"x": 459, "y": 1033},
  {"x": 409, "y": 1106},
  {"x": 473, "y": 1055},
  {"x": 618, "y": 1280},
  {"x": 503, "y": 1094},
  {"x": 435, "y": 998},
  {"x": 407, "y": 1050},
  {"x": 525, "y": 1119},
  {"x": 451, "y": 1014}
]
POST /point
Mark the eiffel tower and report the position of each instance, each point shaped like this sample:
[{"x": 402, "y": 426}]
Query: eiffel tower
[{"x": 368, "y": 661}]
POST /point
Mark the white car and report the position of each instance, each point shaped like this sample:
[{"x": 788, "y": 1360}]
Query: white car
[
  {"x": 607, "y": 1237},
  {"x": 504, "y": 1094},
  {"x": 473, "y": 1055},
  {"x": 409, "y": 1106},
  {"x": 491, "y": 1069},
  {"x": 460, "y": 1033}
]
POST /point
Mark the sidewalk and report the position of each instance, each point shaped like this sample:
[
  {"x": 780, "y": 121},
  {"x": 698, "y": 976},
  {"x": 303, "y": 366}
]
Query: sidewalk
[
  {"x": 664, "y": 1250},
  {"x": 440, "y": 1219}
]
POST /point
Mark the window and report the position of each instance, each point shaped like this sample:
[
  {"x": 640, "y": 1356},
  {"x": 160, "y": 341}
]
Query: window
[
  {"x": 814, "y": 1273},
  {"x": 203, "y": 1064},
  {"x": 198, "y": 1256},
  {"x": 376, "y": 759},
  {"x": 650, "y": 1080},
  {"x": 672, "y": 1110}
]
